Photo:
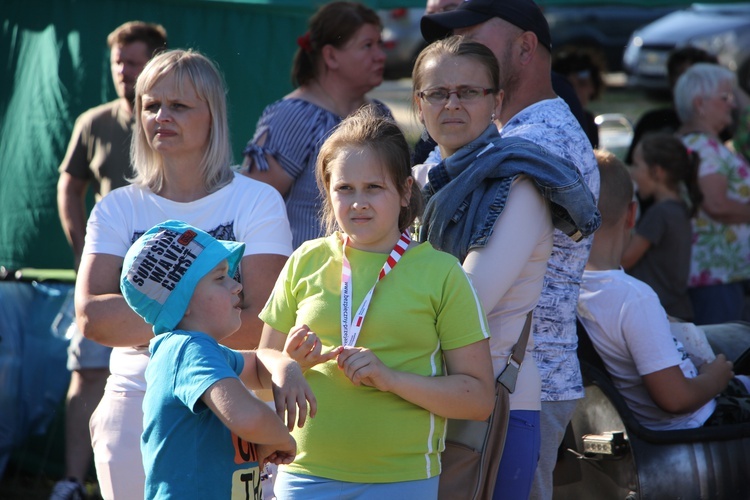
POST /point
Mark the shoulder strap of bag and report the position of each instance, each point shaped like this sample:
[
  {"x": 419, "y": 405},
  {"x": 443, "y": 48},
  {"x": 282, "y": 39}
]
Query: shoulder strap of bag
[{"x": 510, "y": 373}]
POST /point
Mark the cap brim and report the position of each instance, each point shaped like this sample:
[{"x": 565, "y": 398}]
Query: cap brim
[
  {"x": 437, "y": 26},
  {"x": 236, "y": 250}
]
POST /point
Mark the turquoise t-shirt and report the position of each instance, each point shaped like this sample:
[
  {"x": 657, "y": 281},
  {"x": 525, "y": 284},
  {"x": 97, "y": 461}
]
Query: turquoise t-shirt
[
  {"x": 187, "y": 451},
  {"x": 425, "y": 305}
]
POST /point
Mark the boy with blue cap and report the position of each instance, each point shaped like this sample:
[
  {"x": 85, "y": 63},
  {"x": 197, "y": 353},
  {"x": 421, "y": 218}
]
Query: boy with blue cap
[{"x": 205, "y": 435}]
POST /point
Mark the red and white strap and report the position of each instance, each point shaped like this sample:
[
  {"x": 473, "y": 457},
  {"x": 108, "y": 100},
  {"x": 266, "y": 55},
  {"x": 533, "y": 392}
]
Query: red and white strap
[{"x": 350, "y": 329}]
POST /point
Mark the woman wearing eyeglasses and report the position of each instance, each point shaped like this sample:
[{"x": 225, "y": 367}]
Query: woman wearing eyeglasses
[
  {"x": 704, "y": 100},
  {"x": 485, "y": 206}
]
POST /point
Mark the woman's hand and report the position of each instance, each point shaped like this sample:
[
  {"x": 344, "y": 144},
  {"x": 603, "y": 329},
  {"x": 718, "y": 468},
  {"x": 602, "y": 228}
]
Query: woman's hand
[
  {"x": 303, "y": 346},
  {"x": 362, "y": 367}
]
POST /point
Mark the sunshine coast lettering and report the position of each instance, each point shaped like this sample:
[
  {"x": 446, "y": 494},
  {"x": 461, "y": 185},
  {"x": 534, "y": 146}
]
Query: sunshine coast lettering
[{"x": 166, "y": 262}]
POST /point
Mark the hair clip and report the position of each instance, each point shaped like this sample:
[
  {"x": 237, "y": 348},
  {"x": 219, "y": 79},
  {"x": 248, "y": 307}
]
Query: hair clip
[{"x": 304, "y": 42}]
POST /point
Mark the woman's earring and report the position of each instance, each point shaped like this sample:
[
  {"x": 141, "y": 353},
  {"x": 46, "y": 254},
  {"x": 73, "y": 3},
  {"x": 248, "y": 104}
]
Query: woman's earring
[{"x": 492, "y": 118}]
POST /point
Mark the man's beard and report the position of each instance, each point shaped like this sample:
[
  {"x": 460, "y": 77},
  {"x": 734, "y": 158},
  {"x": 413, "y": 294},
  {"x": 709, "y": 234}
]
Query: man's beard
[{"x": 509, "y": 76}]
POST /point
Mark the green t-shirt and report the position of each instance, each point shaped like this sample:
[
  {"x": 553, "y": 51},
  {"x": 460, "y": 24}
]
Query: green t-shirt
[{"x": 425, "y": 305}]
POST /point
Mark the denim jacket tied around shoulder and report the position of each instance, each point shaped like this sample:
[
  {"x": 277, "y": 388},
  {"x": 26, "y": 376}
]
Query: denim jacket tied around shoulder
[{"x": 467, "y": 192}]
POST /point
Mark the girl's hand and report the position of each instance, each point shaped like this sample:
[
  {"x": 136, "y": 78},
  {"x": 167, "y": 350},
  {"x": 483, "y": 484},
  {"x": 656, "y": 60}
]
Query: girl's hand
[
  {"x": 292, "y": 394},
  {"x": 277, "y": 453},
  {"x": 303, "y": 346},
  {"x": 362, "y": 367}
]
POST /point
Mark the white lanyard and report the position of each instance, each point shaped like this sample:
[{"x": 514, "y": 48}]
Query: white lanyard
[{"x": 350, "y": 330}]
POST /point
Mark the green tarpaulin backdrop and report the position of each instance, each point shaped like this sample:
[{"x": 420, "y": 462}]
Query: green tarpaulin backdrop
[{"x": 55, "y": 65}]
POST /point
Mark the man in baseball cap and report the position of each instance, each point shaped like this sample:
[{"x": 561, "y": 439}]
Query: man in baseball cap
[
  {"x": 518, "y": 34},
  {"x": 524, "y": 14}
]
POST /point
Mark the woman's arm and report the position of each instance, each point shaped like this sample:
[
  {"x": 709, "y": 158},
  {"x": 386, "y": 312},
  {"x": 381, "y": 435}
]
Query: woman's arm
[
  {"x": 716, "y": 203},
  {"x": 105, "y": 317},
  {"x": 101, "y": 311},
  {"x": 275, "y": 176},
  {"x": 259, "y": 273},
  {"x": 525, "y": 221},
  {"x": 635, "y": 251},
  {"x": 465, "y": 392}
]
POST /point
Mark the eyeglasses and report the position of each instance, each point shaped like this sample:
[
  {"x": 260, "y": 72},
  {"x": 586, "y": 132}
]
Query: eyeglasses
[{"x": 440, "y": 95}]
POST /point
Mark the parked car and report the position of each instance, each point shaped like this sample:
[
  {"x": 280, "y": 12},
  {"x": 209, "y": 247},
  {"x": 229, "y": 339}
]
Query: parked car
[
  {"x": 402, "y": 39},
  {"x": 721, "y": 29},
  {"x": 601, "y": 27}
]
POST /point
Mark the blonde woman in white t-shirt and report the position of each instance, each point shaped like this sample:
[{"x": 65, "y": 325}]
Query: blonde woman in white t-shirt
[{"x": 182, "y": 158}]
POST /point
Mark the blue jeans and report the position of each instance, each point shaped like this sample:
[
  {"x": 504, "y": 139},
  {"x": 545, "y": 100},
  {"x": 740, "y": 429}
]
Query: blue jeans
[
  {"x": 33, "y": 377},
  {"x": 520, "y": 456},
  {"x": 303, "y": 487},
  {"x": 717, "y": 303}
]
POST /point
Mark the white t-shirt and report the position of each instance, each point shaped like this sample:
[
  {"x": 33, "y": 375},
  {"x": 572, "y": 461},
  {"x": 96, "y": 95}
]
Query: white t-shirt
[
  {"x": 630, "y": 331},
  {"x": 244, "y": 210}
]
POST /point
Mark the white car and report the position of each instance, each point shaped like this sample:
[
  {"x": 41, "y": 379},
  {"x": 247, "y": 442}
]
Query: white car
[{"x": 721, "y": 29}]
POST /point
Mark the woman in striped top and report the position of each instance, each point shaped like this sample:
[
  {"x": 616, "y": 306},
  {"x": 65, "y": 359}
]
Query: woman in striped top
[{"x": 337, "y": 62}]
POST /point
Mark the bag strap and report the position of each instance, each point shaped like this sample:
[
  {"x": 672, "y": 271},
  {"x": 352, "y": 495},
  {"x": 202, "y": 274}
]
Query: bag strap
[{"x": 510, "y": 373}]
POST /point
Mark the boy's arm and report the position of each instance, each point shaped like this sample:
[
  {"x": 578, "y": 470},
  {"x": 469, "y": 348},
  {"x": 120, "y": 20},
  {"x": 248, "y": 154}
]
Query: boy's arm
[
  {"x": 271, "y": 369},
  {"x": 247, "y": 416},
  {"x": 675, "y": 393}
]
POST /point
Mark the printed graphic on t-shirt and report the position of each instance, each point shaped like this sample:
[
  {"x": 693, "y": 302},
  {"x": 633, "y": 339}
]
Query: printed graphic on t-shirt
[{"x": 246, "y": 481}]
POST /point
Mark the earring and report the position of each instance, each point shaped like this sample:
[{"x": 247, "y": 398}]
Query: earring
[{"x": 492, "y": 118}]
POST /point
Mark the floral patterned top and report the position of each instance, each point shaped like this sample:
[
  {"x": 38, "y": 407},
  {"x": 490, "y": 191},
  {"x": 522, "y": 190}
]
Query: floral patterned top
[
  {"x": 721, "y": 252},
  {"x": 741, "y": 141}
]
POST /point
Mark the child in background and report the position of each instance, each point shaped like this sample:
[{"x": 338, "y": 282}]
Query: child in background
[
  {"x": 417, "y": 355},
  {"x": 630, "y": 330},
  {"x": 205, "y": 435},
  {"x": 659, "y": 251}
]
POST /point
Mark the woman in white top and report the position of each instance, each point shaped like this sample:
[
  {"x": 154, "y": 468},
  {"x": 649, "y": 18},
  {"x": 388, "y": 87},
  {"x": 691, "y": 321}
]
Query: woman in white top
[
  {"x": 456, "y": 85},
  {"x": 182, "y": 159}
]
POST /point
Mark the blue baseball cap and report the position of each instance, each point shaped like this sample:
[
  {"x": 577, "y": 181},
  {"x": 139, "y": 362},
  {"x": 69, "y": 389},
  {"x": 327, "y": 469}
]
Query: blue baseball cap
[
  {"x": 522, "y": 13},
  {"x": 163, "y": 267}
]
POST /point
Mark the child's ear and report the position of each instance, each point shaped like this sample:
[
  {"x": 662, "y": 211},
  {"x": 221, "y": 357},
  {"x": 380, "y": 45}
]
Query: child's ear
[
  {"x": 631, "y": 214},
  {"x": 658, "y": 173},
  {"x": 407, "y": 192}
]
